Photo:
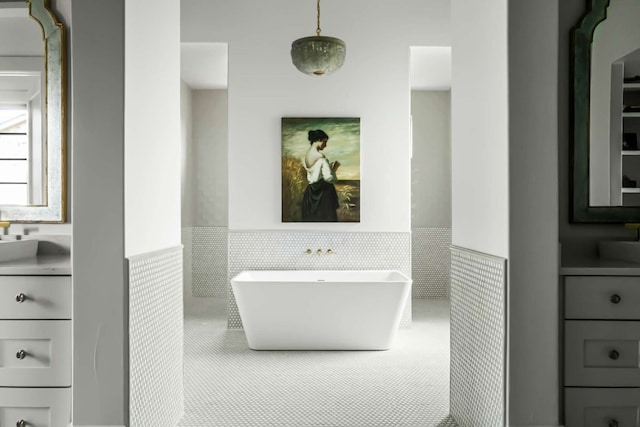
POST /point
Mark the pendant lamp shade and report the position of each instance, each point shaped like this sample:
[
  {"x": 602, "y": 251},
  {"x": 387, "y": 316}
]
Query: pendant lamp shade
[{"x": 318, "y": 55}]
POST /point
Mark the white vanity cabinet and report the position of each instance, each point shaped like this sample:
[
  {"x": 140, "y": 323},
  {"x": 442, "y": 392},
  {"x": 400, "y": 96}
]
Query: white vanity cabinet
[
  {"x": 35, "y": 344},
  {"x": 602, "y": 345}
]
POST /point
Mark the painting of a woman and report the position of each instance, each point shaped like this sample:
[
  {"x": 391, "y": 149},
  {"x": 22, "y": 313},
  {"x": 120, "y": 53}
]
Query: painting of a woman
[
  {"x": 320, "y": 169},
  {"x": 320, "y": 200}
]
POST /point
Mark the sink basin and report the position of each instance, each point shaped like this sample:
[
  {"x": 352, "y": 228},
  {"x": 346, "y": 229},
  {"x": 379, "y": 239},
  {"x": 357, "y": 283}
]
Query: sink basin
[
  {"x": 11, "y": 250},
  {"x": 620, "y": 250}
]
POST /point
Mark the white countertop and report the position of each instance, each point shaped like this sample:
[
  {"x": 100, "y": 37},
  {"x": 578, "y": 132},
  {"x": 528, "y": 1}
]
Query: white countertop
[
  {"x": 593, "y": 266},
  {"x": 42, "y": 265}
]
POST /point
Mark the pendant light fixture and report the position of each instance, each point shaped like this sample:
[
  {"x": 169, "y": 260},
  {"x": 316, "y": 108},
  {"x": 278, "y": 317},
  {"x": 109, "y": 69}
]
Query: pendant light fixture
[{"x": 318, "y": 55}]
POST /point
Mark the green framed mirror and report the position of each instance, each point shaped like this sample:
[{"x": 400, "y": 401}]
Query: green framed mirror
[
  {"x": 32, "y": 113},
  {"x": 606, "y": 113}
]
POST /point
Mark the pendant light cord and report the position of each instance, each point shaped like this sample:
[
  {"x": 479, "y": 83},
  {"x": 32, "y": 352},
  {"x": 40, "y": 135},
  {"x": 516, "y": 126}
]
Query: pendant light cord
[{"x": 318, "y": 29}]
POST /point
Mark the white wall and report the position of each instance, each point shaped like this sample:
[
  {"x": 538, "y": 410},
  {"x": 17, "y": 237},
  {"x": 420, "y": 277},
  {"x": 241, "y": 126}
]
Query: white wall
[
  {"x": 152, "y": 126},
  {"x": 505, "y": 202},
  {"x": 479, "y": 131},
  {"x": 204, "y": 157},
  {"x": 431, "y": 160},
  {"x": 99, "y": 289},
  {"x": 264, "y": 87},
  {"x": 152, "y": 132},
  {"x": 210, "y": 155},
  {"x": 534, "y": 325},
  {"x": 187, "y": 167}
]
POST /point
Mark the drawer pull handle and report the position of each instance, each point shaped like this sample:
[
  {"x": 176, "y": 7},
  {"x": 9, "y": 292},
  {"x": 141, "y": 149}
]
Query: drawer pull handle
[
  {"x": 615, "y": 299},
  {"x": 23, "y": 423},
  {"x": 614, "y": 355},
  {"x": 21, "y": 298},
  {"x": 613, "y": 423},
  {"x": 21, "y": 354}
]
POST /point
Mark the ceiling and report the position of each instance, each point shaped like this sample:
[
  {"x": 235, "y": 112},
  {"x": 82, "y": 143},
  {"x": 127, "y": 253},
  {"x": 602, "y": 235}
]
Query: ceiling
[
  {"x": 430, "y": 68},
  {"x": 204, "y": 66}
]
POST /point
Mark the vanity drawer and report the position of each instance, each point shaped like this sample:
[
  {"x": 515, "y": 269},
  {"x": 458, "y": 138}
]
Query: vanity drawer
[
  {"x": 602, "y": 353},
  {"x": 35, "y": 297},
  {"x": 36, "y": 407},
  {"x": 602, "y": 407},
  {"x": 35, "y": 353},
  {"x": 602, "y": 297}
]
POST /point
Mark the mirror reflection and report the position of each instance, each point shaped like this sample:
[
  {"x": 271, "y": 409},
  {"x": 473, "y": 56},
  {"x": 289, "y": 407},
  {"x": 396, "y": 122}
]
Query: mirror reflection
[
  {"x": 32, "y": 160},
  {"x": 22, "y": 140},
  {"x": 614, "y": 115}
]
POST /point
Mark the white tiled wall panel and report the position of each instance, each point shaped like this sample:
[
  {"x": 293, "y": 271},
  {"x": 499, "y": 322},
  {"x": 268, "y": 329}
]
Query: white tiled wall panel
[
  {"x": 156, "y": 338},
  {"x": 206, "y": 261},
  {"x": 430, "y": 261},
  {"x": 285, "y": 250},
  {"x": 187, "y": 261},
  {"x": 478, "y": 337},
  {"x": 209, "y": 261}
]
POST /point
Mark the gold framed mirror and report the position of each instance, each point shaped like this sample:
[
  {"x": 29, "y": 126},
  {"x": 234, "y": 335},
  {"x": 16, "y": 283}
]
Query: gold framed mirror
[{"x": 32, "y": 113}]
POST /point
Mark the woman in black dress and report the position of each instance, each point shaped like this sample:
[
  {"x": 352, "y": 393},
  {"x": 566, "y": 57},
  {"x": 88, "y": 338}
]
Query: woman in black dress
[{"x": 320, "y": 200}]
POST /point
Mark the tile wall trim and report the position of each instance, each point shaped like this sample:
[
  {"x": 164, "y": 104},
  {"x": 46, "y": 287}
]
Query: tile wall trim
[{"x": 478, "y": 338}]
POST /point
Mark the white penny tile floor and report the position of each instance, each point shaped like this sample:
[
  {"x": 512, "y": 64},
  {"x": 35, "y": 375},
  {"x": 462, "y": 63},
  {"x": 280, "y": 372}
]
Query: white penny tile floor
[{"x": 229, "y": 385}]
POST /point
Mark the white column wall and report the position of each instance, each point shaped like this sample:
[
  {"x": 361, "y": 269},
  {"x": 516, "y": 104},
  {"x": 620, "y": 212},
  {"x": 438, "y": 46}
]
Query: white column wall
[
  {"x": 152, "y": 126},
  {"x": 100, "y": 355},
  {"x": 479, "y": 133},
  {"x": 534, "y": 351}
]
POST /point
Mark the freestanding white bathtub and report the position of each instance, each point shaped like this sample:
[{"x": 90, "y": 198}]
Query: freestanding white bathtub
[{"x": 320, "y": 310}]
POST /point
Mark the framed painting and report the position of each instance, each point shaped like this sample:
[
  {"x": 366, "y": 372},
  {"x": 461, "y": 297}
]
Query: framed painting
[{"x": 321, "y": 169}]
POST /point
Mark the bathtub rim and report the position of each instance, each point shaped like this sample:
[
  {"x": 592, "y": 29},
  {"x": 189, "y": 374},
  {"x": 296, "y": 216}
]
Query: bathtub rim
[{"x": 245, "y": 276}]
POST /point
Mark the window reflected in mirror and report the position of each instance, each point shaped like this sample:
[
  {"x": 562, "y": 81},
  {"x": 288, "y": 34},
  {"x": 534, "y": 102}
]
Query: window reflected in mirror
[
  {"x": 14, "y": 155},
  {"x": 22, "y": 142}
]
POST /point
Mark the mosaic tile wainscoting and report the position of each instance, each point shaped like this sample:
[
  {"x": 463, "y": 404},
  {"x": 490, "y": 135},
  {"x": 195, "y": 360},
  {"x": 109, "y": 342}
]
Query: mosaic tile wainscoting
[
  {"x": 187, "y": 261},
  {"x": 206, "y": 260},
  {"x": 478, "y": 338},
  {"x": 205, "y": 267},
  {"x": 156, "y": 338},
  {"x": 430, "y": 261},
  {"x": 285, "y": 250}
]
